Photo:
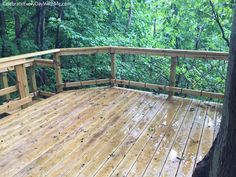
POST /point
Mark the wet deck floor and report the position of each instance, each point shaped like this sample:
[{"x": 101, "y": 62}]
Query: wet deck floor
[{"x": 107, "y": 132}]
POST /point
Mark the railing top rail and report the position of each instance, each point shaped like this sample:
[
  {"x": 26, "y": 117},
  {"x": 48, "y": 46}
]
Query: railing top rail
[
  {"x": 171, "y": 52},
  {"x": 27, "y": 55},
  {"x": 105, "y": 48},
  {"x": 147, "y": 51},
  {"x": 85, "y": 50},
  {"x": 124, "y": 50}
]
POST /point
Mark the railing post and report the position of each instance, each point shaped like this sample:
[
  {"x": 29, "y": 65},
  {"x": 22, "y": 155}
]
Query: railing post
[
  {"x": 4, "y": 80},
  {"x": 22, "y": 81},
  {"x": 172, "y": 79},
  {"x": 113, "y": 66},
  {"x": 32, "y": 79},
  {"x": 57, "y": 66}
]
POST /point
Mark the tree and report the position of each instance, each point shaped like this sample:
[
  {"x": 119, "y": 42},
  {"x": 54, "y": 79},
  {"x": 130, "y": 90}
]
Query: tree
[
  {"x": 130, "y": 15},
  {"x": 17, "y": 27},
  {"x": 221, "y": 159},
  {"x": 40, "y": 25},
  {"x": 216, "y": 16},
  {"x": 60, "y": 15}
]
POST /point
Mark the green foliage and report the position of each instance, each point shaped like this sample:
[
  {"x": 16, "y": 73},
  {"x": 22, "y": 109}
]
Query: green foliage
[{"x": 182, "y": 24}]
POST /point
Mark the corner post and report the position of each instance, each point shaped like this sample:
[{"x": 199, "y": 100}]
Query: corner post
[
  {"x": 32, "y": 79},
  {"x": 4, "y": 80},
  {"x": 57, "y": 66},
  {"x": 22, "y": 81},
  {"x": 113, "y": 66},
  {"x": 172, "y": 79}
]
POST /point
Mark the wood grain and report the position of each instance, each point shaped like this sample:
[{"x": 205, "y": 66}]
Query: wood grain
[{"x": 107, "y": 132}]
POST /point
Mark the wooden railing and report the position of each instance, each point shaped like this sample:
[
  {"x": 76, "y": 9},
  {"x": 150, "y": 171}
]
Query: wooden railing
[
  {"x": 173, "y": 54},
  {"x": 21, "y": 62}
]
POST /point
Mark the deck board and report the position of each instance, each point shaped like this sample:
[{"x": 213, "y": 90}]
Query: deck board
[
  {"x": 107, "y": 132},
  {"x": 91, "y": 140},
  {"x": 114, "y": 133},
  {"x": 136, "y": 136},
  {"x": 187, "y": 143},
  {"x": 42, "y": 118},
  {"x": 164, "y": 116}
]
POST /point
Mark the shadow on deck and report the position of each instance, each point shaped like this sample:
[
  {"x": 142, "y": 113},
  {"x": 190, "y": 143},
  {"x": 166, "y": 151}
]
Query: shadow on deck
[{"x": 108, "y": 132}]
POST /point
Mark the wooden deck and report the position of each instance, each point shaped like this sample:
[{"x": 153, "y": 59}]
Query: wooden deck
[{"x": 107, "y": 132}]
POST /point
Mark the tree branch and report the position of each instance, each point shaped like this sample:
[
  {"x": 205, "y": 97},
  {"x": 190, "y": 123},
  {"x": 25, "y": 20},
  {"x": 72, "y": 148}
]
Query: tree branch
[{"x": 217, "y": 19}]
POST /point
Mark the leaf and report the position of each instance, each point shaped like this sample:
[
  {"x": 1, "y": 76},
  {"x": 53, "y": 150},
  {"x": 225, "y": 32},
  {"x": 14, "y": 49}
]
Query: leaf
[
  {"x": 127, "y": 5},
  {"x": 117, "y": 4}
]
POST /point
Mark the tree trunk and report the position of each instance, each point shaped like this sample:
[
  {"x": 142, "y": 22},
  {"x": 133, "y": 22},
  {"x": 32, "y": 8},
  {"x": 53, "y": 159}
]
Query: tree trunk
[
  {"x": 155, "y": 24},
  {"x": 198, "y": 38},
  {"x": 130, "y": 15},
  {"x": 17, "y": 27},
  {"x": 40, "y": 25},
  {"x": 221, "y": 159},
  {"x": 60, "y": 14},
  {"x": 154, "y": 27}
]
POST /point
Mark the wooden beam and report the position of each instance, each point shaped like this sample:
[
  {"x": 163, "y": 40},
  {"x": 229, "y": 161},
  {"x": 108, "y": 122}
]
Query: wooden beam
[
  {"x": 86, "y": 83},
  {"x": 46, "y": 94},
  {"x": 44, "y": 62},
  {"x": 57, "y": 66},
  {"x": 170, "y": 89},
  {"x": 28, "y": 63},
  {"x": 12, "y": 105},
  {"x": 124, "y": 50},
  {"x": 113, "y": 66},
  {"x": 12, "y": 63},
  {"x": 22, "y": 81},
  {"x": 28, "y": 55},
  {"x": 4, "y": 80},
  {"x": 212, "y": 55},
  {"x": 8, "y": 90},
  {"x": 172, "y": 74},
  {"x": 84, "y": 50},
  {"x": 32, "y": 79}
]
